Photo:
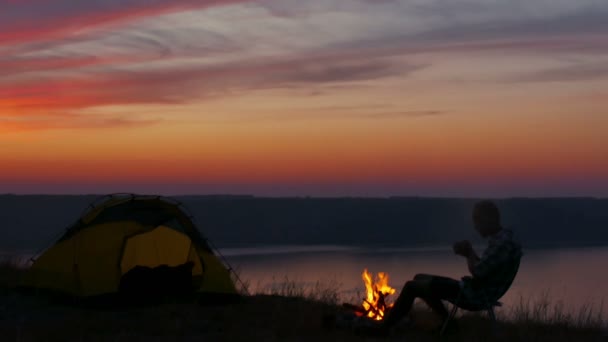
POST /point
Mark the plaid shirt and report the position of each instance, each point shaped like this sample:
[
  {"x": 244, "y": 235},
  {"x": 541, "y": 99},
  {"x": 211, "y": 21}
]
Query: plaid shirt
[{"x": 493, "y": 274}]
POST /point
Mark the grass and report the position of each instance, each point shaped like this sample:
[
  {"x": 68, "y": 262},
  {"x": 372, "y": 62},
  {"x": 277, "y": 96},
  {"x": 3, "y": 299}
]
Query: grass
[
  {"x": 285, "y": 310},
  {"x": 544, "y": 310},
  {"x": 326, "y": 292}
]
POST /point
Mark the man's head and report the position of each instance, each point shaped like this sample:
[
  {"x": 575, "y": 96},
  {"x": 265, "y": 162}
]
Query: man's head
[{"x": 486, "y": 218}]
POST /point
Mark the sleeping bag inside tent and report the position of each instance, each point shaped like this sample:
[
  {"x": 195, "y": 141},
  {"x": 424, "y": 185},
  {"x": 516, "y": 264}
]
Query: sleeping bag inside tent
[{"x": 132, "y": 243}]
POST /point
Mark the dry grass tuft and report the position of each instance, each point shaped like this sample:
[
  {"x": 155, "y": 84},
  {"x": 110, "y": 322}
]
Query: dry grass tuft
[{"x": 326, "y": 292}]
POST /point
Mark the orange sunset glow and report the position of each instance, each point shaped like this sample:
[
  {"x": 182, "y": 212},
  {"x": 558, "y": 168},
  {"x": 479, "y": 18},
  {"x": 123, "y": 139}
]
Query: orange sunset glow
[{"x": 303, "y": 98}]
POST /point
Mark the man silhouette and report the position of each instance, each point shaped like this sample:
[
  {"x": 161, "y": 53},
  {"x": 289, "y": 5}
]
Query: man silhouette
[{"x": 488, "y": 279}]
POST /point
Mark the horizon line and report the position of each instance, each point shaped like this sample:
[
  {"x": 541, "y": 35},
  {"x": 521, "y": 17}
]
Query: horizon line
[{"x": 253, "y": 196}]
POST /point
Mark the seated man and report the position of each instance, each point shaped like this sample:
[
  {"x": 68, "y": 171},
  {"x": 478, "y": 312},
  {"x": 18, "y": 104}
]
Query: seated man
[{"x": 491, "y": 273}]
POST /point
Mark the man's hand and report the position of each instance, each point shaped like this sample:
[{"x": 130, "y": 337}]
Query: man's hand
[{"x": 464, "y": 248}]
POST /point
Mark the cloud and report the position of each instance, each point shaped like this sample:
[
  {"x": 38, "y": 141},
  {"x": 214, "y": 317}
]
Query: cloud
[
  {"x": 38, "y": 20},
  {"x": 70, "y": 56},
  {"x": 184, "y": 84},
  {"x": 74, "y": 122},
  {"x": 570, "y": 73},
  {"x": 342, "y": 71},
  {"x": 362, "y": 112},
  {"x": 12, "y": 65},
  {"x": 406, "y": 114}
]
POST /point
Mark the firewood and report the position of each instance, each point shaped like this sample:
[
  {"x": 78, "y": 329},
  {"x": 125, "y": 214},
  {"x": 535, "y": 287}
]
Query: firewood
[{"x": 355, "y": 308}]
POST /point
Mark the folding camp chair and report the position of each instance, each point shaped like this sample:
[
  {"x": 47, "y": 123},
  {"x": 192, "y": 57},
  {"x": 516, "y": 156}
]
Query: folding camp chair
[{"x": 489, "y": 304}]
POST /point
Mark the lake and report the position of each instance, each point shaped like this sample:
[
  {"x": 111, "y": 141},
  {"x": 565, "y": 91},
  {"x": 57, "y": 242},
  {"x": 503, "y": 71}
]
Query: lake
[{"x": 573, "y": 276}]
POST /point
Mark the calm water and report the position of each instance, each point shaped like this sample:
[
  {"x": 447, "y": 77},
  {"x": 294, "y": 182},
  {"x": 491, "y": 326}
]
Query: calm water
[
  {"x": 576, "y": 276},
  {"x": 573, "y": 276}
]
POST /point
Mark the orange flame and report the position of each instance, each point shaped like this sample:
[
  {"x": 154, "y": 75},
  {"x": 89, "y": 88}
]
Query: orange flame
[{"x": 376, "y": 292}]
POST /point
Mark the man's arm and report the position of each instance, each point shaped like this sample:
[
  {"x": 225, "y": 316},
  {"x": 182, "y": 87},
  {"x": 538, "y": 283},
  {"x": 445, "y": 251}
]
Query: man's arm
[
  {"x": 465, "y": 248},
  {"x": 494, "y": 255},
  {"x": 472, "y": 260}
]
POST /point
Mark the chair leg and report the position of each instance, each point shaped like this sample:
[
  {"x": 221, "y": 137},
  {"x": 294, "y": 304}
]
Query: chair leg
[
  {"x": 492, "y": 314},
  {"x": 447, "y": 320},
  {"x": 493, "y": 322}
]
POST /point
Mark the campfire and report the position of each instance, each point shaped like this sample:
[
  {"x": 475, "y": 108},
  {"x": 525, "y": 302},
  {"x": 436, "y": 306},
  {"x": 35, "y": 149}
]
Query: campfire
[
  {"x": 377, "y": 289},
  {"x": 373, "y": 308}
]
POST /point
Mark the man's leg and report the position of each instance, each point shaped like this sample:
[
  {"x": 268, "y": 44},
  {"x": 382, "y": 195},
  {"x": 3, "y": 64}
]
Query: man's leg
[
  {"x": 440, "y": 288},
  {"x": 403, "y": 304},
  {"x": 432, "y": 289}
]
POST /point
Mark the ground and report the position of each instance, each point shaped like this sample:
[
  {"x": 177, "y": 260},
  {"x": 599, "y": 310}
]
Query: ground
[{"x": 256, "y": 318}]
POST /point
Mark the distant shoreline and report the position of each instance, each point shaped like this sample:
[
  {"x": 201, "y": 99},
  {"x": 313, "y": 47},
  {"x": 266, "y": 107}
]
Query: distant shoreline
[{"x": 36, "y": 221}]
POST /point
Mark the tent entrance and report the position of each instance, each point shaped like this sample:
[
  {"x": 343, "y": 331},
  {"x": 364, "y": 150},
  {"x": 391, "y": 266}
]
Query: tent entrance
[{"x": 158, "y": 262}]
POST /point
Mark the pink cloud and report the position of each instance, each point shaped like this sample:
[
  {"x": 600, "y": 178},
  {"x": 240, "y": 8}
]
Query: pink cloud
[
  {"x": 34, "y": 21},
  {"x": 21, "y": 65},
  {"x": 182, "y": 85}
]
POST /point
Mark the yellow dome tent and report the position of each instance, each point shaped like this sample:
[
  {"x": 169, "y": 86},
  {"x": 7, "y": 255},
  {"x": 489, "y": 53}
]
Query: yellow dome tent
[{"x": 119, "y": 233}]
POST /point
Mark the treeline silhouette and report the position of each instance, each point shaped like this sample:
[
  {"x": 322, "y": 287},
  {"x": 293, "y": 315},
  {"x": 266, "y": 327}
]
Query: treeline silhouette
[{"x": 32, "y": 222}]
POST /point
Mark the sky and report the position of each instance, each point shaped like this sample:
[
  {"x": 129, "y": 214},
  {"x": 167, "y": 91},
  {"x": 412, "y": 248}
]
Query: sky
[{"x": 467, "y": 98}]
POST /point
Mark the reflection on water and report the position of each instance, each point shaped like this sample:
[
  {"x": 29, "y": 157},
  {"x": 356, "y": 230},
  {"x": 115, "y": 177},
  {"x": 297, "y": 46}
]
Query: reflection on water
[{"x": 574, "y": 276}]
